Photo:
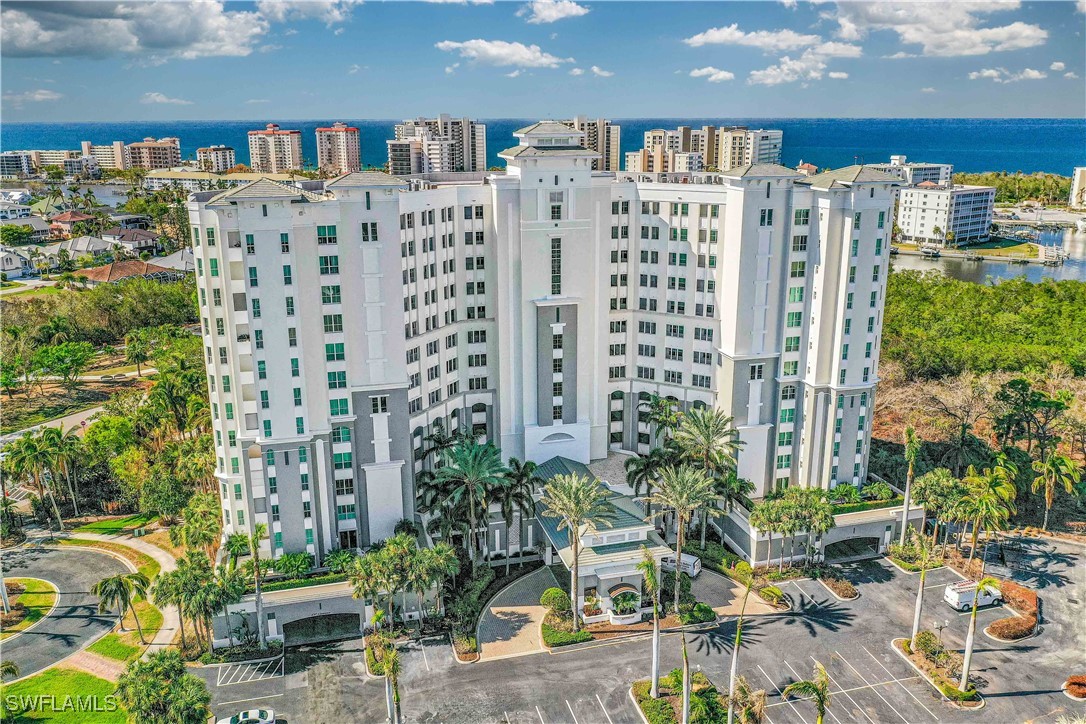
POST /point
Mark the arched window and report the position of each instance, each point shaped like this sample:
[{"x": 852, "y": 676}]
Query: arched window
[
  {"x": 641, "y": 396},
  {"x": 557, "y": 437},
  {"x": 478, "y": 407},
  {"x": 698, "y": 404},
  {"x": 617, "y": 395},
  {"x": 788, "y": 392}
]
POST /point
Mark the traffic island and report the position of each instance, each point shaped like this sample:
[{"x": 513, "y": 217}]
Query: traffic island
[{"x": 934, "y": 662}]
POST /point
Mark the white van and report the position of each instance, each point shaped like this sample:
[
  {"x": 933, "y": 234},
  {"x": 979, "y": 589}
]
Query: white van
[
  {"x": 960, "y": 595},
  {"x": 691, "y": 564}
]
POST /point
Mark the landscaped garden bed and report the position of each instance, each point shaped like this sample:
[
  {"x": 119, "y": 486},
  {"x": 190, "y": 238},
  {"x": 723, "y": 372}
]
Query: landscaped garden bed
[
  {"x": 1075, "y": 687},
  {"x": 1024, "y": 601},
  {"x": 247, "y": 651},
  {"x": 31, "y": 600},
  {"x": 667, "y": 709},
  {"x": 840, "y": 587},
  {"x": 126, "y": 646},
  {"x": 907, "y": 557},
  {"x": 470, "y": 597},
  {"x": 939, "y": 666}
]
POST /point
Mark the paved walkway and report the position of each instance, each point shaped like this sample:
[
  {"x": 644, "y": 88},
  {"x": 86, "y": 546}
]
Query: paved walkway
[
  {"x": 64, "y": 423},
  {"x": 100, "y": 666},
  {"x": 510, "y": 624}
]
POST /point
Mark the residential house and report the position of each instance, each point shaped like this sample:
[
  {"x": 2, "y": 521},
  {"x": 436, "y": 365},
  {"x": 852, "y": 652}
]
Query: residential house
[
  {"x": 65, "y": 221},
  {"x": 40, "y": 229},
  {"x": 14, "y": 263},
  {"x": 116, "y": 271},
  {"x": 135, "y": 240},
  {"x": 11, "y": 210}
]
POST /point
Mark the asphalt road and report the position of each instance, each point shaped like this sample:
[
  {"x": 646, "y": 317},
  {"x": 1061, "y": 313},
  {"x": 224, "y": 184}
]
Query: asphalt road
[
  {"x": 75, "y": 622},
  {"x": 871, "y": 683}
]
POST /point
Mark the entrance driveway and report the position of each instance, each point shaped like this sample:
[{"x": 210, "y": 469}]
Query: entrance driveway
[
  {"x": 510, "y": 624},
  {"x": 724, "y": 595}
]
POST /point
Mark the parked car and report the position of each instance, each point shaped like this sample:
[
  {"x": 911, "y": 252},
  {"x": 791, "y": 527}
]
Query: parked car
[
  {"x": 960, "y": 595},
  {"x": 251, "y": 716},
  {"x": 691, "y": 564}
]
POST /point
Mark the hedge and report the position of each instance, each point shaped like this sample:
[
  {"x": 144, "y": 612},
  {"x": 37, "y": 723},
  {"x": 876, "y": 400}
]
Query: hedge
[
  {"x": 300, "y": 583},
  {"x": 1076, "y": 686},
  {"x": 840, "y": 586},
  {"x": 867, "y": 505},
  {"x": 1024, "y": 601},
  {"x": 553, "y": 637},
  {"x": 700, "y": 613}
]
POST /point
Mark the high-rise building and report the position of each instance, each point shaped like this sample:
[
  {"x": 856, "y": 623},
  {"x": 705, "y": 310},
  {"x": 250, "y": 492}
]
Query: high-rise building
[
  {"x": 437, "y": 145},
  {"x": 108, "y": 155},
  {"x": 954, "y": 214},
  {"x": 535, "y": 309},
  {"x": 216, "y": 159},
  {"x": 16, "y": 164},
  {"x": 339, "y": 149},
  {"x": 1078, "y": 188},
  {"x": 603, "y": 137},
  {"x": 917, "y": 173},
  {"x": 274, "y": 150},
  {"x": 721, "y": 149},
  {"x": 84, "y": 166},
  {"x": 150, "y": 153}
]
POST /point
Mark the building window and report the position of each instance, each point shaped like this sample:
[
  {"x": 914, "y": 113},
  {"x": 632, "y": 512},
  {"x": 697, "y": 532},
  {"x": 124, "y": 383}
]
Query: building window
[
  {"x": 788, "y": 392},
  {"x": 379, "y": 404},
  {"x": 338, "y": 407},
  {"x": 326, "y": 234},
  {"x": 334, "y": 352},
  {"x": 803, "y": 217},
  {"x": 345, "y": 486},
  {"x": 299, "y": 425},
  {"x": 799, "y": 242},
  {"x": 250, "y": 244},
  {"x": 766, "y": 218},
  {"x": 556, "y": 266},
  {"x": 556, "y": 412},
  {"x": 797, "y": 269},
  {"x": 328, "y": 264}
]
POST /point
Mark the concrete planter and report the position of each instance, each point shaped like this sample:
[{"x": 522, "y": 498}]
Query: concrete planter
[{"x": 624, "y": 620}]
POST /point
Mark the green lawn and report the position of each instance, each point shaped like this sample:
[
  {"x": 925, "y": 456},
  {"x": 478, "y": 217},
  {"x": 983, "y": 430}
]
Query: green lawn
[
  {"x": 38, "y": 598},
  {"x": 126, "y": 646},
  {"x": 35, "y": 292},
  {"x": 144, "y": 563},
  {"x": 113, "y": 646},
  {"x": 9, "y": 284},
  {"x": 55, "y": 691},
  {"x": 114, "y": 526}
]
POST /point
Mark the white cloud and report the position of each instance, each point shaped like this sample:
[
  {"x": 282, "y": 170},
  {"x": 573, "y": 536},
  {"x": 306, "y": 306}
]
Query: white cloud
[
  {"x": 450, "y": 69},
  {"x": 513, "y": 74},
  {"x": 460, "y": 2},
  {"x": 329, "y": 12},
  {"x": 270, "y": 47},
  {"x": 596, "y": 70},
  {"x": 1081, "y": 6},
  {"x": 941, "y": 29},
  {"x": 258, "y": 100},
  {"x": 1002, "y": 75},
  {"x": 790, "y": 4},
  {"x": 550, "y": 11},
  {"x": 767, "y": 40},
  {"x": 899, "y": 55},
  {"x": 576, "y": 71},
  {"x": 837, "y": 75},
  {"x": 1070, "y": 75},
  {"x": 711, "y": 74},
  {"x": 18, "y": 100},
  {"x": 929, "y": 89},
  {"x": 353, "y": 68},
  {"x": 156, "y": 98},
  {"x": 1057, "y": 66},
  {"x": 153, "y": 32},
  {"x": 502, "y": 52},
  {"x": 339, "y": 31},
  {"x": 554, "y": 36},
  {"x": 810, "y": 65}
]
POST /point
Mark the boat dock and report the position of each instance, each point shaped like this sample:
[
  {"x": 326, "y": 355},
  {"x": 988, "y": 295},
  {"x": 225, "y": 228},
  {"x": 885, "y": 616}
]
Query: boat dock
[{"x": 1046, "y": 255}]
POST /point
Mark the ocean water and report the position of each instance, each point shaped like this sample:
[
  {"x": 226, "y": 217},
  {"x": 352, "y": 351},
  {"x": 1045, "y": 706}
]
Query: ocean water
[{"x": 1017, "y": 144}]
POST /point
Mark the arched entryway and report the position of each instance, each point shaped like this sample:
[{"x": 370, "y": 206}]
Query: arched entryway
[
  {"x": 329, "y": 627},
  {"x": 852, "y": 549}
]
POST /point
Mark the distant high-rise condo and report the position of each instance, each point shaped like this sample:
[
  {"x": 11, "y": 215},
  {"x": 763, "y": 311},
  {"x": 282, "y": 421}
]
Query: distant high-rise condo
[
  {"x": 339, "y": 149},
  {"x": 274, "y": 150},
  {"x": 437, "y": 145},
  {"x": 916, "y": 173},
  {"x": 150, "y": 154},
  {"x": 109, "y": 155},
  {"x": 721, "y": 149},
  {"x": 601, "y": 136},
  {"x": 216, "y": 159},
  {"x": 1078, "y": 188}
]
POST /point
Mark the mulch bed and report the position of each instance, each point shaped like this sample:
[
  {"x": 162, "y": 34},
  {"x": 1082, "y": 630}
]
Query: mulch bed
[{"x": 606, "y": 630}]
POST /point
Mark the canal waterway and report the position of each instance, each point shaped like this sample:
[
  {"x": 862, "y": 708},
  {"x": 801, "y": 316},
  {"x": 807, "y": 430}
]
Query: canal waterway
[{"x": 1074, "y": 267}]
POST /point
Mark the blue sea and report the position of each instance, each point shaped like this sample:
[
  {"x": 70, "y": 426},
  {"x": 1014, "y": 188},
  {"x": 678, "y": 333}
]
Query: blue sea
[{"x": 1014, "y": 144}]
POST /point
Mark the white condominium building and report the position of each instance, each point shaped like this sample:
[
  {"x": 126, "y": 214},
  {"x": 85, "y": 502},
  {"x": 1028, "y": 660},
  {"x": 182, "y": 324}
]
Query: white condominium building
[
  {"x": 216, "y": 159},
  {"x": 913, "y": 173},
  {"x": 339, "y": 149},
  {"x": 955, "y": 215},
  {"x": 16, "y": 164},
  {"x": 603, "y": 137},
  {"x": 721, "y": 149},
  {"x": 274, "y": 150},
  {"x": 437, "y": 145},
  {"x": 108, "y": 155},
  {"x": 535, "y": 308},
  {"x": 1078, "y": 188},
  {"x": 151, "y": 154}
]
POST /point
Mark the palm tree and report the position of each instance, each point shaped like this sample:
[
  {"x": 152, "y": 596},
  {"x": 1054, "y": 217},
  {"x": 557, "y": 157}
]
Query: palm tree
[
  {"x": 471, "y": 473},
  {"x": 202, "y": 525},
  {"x": 642, "y": 471},
  {"x": 816, "y": 689},
  {"x": 734, "y": 680},
  {"x": 390, "y": 663},
  {"x": 707, "y": 438},
  {"x": 749, "y": 705},
  {"x": 439, "y": 441},
  {"x": 577, "y": 501},
  {"x": 29, "y": 455},
  {"x": 366, "y": 582},
  {"x": 137, "y": 350},
  {"x": 516, "y": 499},
  {"x": 989, "y": 503},
  {"x": 1054, "y": 472},
  {"x": 650, "y": 573},
  {"x": 65, "y": 448},
  {"x": 167, "y": 592},
  {"x": 121, "y": 591},
  {"x": 228, "y": 589},
  {"x": 9, "y": 668},
  {"x": 984, "y": 583},
  {"x": 236, "y": 545},
  {"x": 926, "y": 555},
  {"x": 260, "y": 532},
  {"x": 660, "y": 412},
  {"x": 912, "y": 449},
  {"x": 768, "y": 516},
  {"x": 684, "y": 490}
]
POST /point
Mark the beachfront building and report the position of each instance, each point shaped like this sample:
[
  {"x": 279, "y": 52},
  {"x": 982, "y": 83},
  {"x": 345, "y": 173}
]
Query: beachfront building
[
  {"x": 274, "y": 150},
  {"x": 721, "y": 149},
  {"x": 535, "y": 309},
  {"x": 954, "y": 215},
  {"x": 16, "y": 164},
  {"x": 601, "y": 136},
  {"x": 150, "y": 154},
  {"x": 108, "y": 155},
  {"x": 339, "y": 149},
  {"x": 216, "y": 159},
  {"x": 85, "y": 167},
  {"x": 437, "y": 145},
  {"x": 1078, "y": 188},
  {"x": 191, "y": 179},
  {"x": 913, "y": 173}
]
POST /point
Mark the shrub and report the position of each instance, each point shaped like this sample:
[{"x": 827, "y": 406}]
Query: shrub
[
  {"x": 772, "y": 594},
  {"x": 1024, "y": 601},
  {"x": 845, "y": 494},
  {"x": 626, "y": 603},
  {"x": 1020, "y": 598},
  {"x": 555, "y": 600},
  {"x": 927, "y": 644},
  {"x": 293, "y": 565},
  {"x": 743, "y": 571},
  {"x": 656, "y": 711},
  {"x": 1013, "y": 628},
  {"x": 667, "y": 591},
  {"x": 268, "y": 586},
  {"x": 554, "y": 637},
  {"x": 339, "y": 561},
  {"x": 840, "y": 586},
  {"x": 1076, "y": 686},
  {"x": 699, "y": 613}
]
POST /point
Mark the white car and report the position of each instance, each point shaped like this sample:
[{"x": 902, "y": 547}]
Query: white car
[
  {"x": 691, "y": 564},
  {"x": 960, "y": 595},
  {"x": 251, "y": 716}
]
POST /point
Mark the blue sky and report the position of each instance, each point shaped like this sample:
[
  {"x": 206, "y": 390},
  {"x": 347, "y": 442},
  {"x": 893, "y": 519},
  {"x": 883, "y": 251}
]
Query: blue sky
[{"x": 108, "y": 61}]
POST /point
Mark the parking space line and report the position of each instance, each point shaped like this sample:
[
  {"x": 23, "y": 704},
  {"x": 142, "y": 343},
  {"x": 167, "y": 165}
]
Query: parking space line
[
  {"x": 570, "y": 707},
  {"x": 803, "y": 594},
  {"x": 242, "y": 701},
  {"x": 900, "y": 684},
  {"x": 424, "y": 659},
  {"x": 798, "y": 677},
  {"x": 537, "y": 711},
  {"x": 774, "y": 685},
  {"x": 604, "y": 709},
  {"x": 862, "y": 678}
]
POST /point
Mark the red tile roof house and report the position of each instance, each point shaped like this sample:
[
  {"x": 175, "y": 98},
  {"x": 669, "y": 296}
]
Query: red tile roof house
[
  {"x": 118, "y": 270},
  {"x": 63, "y": 222}
]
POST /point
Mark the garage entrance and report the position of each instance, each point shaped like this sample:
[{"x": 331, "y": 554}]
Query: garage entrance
[
  {"x": 330, "y": 627},
  {"x": 852, "y": 549}
]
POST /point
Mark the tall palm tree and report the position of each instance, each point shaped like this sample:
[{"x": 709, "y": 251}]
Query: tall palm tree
[
  {"x": 439, "y": 441},
  {"x": 1054, "y": 472},
  {"x": 64, "y": 449},
  {"x": 516, "y": 498},
  {"x": 984, "y": 583},
  {"x": 768, "y": 516},
  {"x": 663, "y": 414},
  {"x": 120, "y": 592},
  {"x": 816, "y": 689},
  {"x": 366, "y": 582},
  {"x": 137, "y": 349},
  {"x": 471, "y": 473},
  {"x": 444, "y": 564},
  {"x": 228, "y": 589},
  {"x": 29, "y": 455},
  {"x": 926, "y": 556},
  {"x": 167, "y": 592},
  {"x": 390, "y": 664},
  {"x": 734, "y": 679},
  {"x": 912, "y": 449},
  {"x": 259, "y": 533},
  {"x": 578, "y": 502},
  {"x": 236, "y": 546},
  {"x": 642, "y": 472},
  {"x": 989, "y": 503},
  {"x": 707, "y": 438},
  {"x": 749, "y": 704},
  {"x": 650, "y": 573},
  {"x": 684, "y": 490}
]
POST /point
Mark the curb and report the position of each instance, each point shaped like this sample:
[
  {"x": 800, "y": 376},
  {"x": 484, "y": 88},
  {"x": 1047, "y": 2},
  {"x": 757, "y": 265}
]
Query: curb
[
  {"x": 486, "y": 607},
  {"x": 128, "y": 564},
  {"x": 1035, "y": 634},
  {"x": 56, "y": 602},
  {"x": 235, "y": 663},
  {"x": 931, "y": 683},
  {"x": 1062, "y": 688},
  {"x": 912, "y": 573},
  {"x": 637, "y": 707},
  {"x": 834, "y": 593}
]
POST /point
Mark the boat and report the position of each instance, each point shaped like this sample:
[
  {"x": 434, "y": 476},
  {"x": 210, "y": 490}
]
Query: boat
[
  {"x": 929, "y": 252},
  {"x": 974, "y": 257},
  {"x": 894, "y": 251}
]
